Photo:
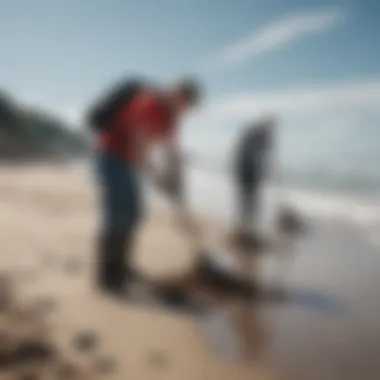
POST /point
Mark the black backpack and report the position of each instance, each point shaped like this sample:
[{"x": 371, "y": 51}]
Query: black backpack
[{"x": 101, "y": 115}]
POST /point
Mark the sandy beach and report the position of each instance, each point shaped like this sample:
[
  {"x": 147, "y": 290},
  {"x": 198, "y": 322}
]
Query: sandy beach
[
  {"x": 48, "y": 219},
  {"x": 327, "y": 329}
]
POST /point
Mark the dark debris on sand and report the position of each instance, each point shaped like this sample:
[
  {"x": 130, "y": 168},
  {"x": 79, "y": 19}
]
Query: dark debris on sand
[
  {"x": 34, "y": 351},
  {"x": 173, "y": 296},
  {"x": 289, "y": 222},
  {"x": 86, "y": 341},
  {"x": 215, "y": 278},
  {"x": 178, "y": 299},
  {"x": 6, "y": 359},
  {"x": 28, "y": 376},
  {"x": 26, "y": 352},
  {"x": 248, "y": 242}
]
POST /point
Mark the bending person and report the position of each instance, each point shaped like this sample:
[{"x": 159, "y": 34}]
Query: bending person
[{"x": 125, "y": 135}]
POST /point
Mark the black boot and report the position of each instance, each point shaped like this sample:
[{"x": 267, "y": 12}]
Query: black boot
[{"x": 110, "y": 266}]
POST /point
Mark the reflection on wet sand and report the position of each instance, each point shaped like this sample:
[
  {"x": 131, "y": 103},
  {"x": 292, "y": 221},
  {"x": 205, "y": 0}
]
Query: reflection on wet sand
[
  {"x": 317, "y": 320},
  {"x": 253, "y": 333},
  {"x": 238, "y": 327},
  {"x": 237, "y": 333}
]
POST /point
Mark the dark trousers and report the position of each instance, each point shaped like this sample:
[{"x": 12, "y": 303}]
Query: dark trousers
[
  {"x": 120, "y": 198},
  {"x": 248, "y": 181}
]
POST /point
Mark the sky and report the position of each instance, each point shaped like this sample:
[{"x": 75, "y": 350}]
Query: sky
[{"x": 314, "y": 63}]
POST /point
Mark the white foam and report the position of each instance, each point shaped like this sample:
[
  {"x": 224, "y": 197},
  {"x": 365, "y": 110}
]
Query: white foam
[
  {"x": 341, "y": 207},
  {"x": 213, "y": 194}
]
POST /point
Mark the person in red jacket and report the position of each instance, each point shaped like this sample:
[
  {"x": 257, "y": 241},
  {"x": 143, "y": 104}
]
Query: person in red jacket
[{"x": 151, "y": 117}]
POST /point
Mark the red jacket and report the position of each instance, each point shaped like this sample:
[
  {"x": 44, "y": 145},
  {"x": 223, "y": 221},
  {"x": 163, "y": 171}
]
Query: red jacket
[{"x": 147, "y": 110}]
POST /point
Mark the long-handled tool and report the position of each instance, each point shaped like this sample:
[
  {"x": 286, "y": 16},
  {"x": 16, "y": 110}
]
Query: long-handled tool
[{"x": 206, "y": 272}]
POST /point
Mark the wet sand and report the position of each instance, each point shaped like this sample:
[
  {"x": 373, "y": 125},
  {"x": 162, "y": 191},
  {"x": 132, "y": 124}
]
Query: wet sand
[
  {"x": 332, "y": 328},
  {"x": 327, "y": 324},
  {"x": 326, "y": 327}
]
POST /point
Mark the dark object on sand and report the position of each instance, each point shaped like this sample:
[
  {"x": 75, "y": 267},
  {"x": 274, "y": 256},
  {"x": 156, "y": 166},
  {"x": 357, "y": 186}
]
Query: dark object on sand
[
  {"x": 6, "y": 349},
  {"x": 29, "y": 376},
  {"x": 178, "y": 299},
  {"x": 173, "y": 296},
  {"x": 105, "y": 365},
  {"x": 34, "y": 351},
  {"x": 220, "y": 280},
  {"x": 247, "y": 242},
  {"x": 289, "y": 222},
  {"x": 6, "y": 358},
  {"x": 86, "y": 341},
  {"x": 158, "y": 359}
]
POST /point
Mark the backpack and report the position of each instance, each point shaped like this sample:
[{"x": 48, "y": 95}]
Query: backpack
[{"x": 101, "y": 115}]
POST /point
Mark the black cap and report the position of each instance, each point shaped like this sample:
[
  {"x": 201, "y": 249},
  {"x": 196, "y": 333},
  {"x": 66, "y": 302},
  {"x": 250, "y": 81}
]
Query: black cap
[{"x": 190, "y": 89}]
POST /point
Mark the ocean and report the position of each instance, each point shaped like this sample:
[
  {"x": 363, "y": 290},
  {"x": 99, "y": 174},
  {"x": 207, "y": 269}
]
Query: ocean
[{"x": 212, "y": 192}]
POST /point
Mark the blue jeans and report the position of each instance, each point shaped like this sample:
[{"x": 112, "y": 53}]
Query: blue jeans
[{"x": 120, "y": 216}]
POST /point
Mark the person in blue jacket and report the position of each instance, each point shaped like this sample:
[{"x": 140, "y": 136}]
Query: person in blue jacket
[{"x": 251, "y": 163}]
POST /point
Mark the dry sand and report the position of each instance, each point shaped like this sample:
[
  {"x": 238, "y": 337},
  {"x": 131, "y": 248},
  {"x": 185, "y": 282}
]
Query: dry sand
[{"x": 48, "y": 220}]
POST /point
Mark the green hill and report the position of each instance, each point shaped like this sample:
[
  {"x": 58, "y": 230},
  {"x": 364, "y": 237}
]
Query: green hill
[{"x": 32, "y": 134}]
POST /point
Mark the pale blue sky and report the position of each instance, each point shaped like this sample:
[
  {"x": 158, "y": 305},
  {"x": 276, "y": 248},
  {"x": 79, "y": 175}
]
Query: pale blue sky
[{"x": 315, "y": 62}]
